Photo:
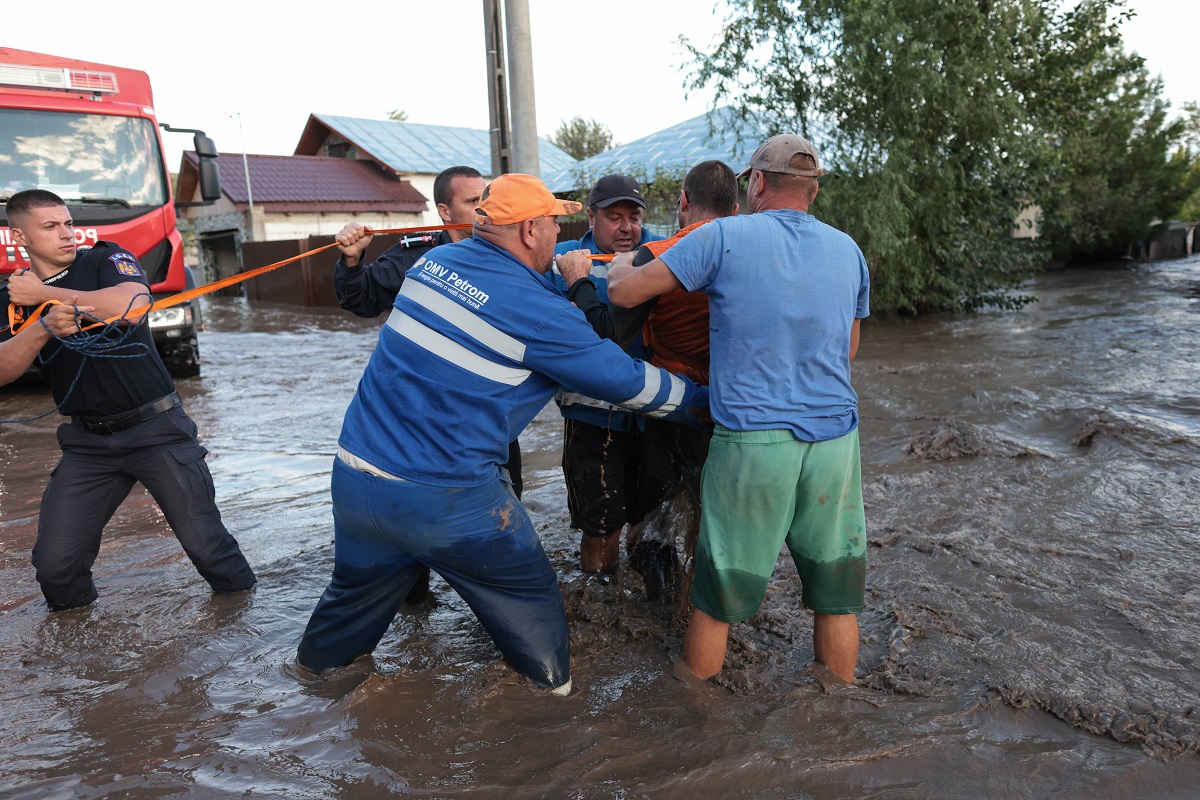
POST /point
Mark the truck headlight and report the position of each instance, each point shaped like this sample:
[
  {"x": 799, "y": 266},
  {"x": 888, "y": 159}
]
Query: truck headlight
[{"x": 175, "y": 317}]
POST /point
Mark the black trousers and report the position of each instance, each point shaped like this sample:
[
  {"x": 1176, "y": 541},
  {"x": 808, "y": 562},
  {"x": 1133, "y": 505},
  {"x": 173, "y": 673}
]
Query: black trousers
[
  {"x": 95, "y": 475},
  {"x": 600, "y": 466}
]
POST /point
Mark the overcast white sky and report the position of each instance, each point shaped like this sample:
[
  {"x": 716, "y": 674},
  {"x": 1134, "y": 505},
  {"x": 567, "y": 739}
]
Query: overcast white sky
[{"x": 275, "y": 63}]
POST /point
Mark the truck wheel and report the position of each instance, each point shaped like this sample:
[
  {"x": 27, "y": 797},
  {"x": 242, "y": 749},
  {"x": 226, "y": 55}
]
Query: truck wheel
[{"x": 182, "y": 359}]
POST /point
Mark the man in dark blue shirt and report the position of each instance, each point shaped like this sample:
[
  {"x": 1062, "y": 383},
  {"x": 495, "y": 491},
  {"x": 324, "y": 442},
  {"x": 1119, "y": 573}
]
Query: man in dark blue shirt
[{"x": 127, "y": 423}]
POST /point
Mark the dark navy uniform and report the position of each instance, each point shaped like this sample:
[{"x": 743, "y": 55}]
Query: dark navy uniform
[
  {"x": 370, "y": 290},
  {"x": 127, "y": 425}
]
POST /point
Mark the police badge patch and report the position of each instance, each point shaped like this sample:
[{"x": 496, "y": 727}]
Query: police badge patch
[{"x": 126, "y": 264}]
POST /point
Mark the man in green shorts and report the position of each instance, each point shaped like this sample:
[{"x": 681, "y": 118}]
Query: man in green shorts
[{"x": 786, "y": 294}]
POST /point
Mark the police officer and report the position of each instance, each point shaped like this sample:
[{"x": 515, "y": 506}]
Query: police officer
[
  {"x": 127, "y": 423},
  {"x": 370, "y": 290}
]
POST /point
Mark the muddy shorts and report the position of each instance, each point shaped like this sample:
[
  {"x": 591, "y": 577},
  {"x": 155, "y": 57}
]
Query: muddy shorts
[
  {"x": 601, "y": 470},
  {"x": 672, "y": 458},
  {"x": 764, "y": 489}
]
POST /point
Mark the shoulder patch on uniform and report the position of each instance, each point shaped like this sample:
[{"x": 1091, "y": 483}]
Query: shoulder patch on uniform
[
  {"x": 126, "y": 264},
  {"x": 418, "y": 240}
]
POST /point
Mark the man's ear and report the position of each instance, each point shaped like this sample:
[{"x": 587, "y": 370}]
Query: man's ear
[
  {"x": 528, "y": 233},
  {"x": 18, "y": 235},
  {"x": 444, "y": 212},
  {"x": 591, "y": 218}
]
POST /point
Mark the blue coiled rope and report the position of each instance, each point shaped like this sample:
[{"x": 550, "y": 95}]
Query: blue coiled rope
[{"x": 110, "y": 340}]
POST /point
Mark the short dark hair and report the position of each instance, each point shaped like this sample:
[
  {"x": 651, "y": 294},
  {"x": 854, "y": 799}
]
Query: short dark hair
[
  {"x": 22, "y": 203},
  {"x": 441, "y": 184},
  {"x": 712, "y": 186}
]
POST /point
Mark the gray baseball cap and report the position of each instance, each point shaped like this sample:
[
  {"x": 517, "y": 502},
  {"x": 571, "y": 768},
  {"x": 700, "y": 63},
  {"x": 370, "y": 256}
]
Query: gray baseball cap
[{"x": 774, "y": 154}]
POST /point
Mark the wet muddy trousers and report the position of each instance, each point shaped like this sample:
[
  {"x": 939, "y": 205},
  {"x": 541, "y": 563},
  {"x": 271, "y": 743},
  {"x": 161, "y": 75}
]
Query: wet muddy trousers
[
  {"x": 478, "y": 538},
  {"x": 95, "y": 475},
  {"x": 420, "y": 589}
]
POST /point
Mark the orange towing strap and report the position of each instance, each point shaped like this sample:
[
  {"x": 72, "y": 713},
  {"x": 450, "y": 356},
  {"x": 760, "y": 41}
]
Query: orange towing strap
[{"x": 17, "y": 324}]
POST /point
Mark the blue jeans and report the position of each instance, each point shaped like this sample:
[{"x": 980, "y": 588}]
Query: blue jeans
[{"x": 478, "y": 538}]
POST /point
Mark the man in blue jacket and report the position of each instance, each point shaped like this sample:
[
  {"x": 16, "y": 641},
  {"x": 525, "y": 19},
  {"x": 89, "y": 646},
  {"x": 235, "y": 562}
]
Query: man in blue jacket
[
  {"x": 602, "y": 443},
  {"x": 368, "y": 290},
  {"x": 478, "y": 341}
]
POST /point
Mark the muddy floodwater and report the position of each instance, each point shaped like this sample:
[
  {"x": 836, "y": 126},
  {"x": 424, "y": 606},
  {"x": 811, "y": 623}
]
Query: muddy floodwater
[{"x": 1032, "y": 483}]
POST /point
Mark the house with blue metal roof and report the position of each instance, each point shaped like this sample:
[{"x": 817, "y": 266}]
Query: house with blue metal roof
[
  {"x": 724, "y": 137},
  {"x": 414, "y": 151}
]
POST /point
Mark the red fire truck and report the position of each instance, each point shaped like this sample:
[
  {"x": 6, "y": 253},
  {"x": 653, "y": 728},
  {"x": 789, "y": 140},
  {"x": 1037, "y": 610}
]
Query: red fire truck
[{"x": 87, "y": 132}]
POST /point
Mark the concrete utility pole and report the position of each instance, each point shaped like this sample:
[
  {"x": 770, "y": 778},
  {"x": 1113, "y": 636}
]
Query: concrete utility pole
[
  {"x": 520, "y": 68},
  {"x": 493, "y": 34}
]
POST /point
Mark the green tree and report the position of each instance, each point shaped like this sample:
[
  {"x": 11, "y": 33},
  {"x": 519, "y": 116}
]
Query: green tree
[
  {"x": 938, "y": 119},
  {"x": 1190, "y": 209},
  {"x": 1113, "y": 161},
  {"x": 581, "y": 138}
]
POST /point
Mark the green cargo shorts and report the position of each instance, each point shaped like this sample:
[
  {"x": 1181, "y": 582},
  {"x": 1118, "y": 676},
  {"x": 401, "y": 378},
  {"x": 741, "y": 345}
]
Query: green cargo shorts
[{"x": 762, "y": 489}]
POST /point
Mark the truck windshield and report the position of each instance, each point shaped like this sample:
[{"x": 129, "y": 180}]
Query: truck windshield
[{"x": 91, "y": 158}]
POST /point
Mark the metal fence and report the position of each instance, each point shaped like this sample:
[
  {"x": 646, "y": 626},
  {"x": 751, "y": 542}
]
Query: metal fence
[{"x": 307, "y": 282}]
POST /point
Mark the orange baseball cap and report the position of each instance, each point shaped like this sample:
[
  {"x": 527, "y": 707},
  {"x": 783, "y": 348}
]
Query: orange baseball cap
[{"x": 515, "y": 198}]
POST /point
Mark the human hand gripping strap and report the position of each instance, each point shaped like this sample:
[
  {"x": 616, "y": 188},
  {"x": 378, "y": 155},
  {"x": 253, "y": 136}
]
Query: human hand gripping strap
[{"x": 113, "y": 340}]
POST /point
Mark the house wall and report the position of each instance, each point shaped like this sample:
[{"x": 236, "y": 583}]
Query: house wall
[
  {"x": 219, "y": 230},
  {"x": 423, "y": 183},
  {"x": 298, "y": 225},
  {"x": 1026, "y": 225},
  {"x": 222, "y": 228}
]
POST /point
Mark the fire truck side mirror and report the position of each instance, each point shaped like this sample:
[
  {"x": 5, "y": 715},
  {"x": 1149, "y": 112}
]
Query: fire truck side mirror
[
  {"x": 210, "y": 180},
  {"x": 204, "y": 146}
]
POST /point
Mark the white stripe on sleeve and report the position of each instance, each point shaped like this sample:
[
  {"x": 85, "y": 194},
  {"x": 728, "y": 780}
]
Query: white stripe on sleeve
[
  {"x": 678, "y": 390},
  {"x": 462, "y": 318},
  {"x": 427, "y": 338},
  {"x": 650, "y": 388}
]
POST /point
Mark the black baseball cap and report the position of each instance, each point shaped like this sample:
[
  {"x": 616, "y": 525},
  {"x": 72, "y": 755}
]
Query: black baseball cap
[{"x": 613, "y": 189}]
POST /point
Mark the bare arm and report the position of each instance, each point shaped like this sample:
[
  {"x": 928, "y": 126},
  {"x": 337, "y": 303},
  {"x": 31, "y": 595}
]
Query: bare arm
[
  {"x": 17, "y": 353},
  {"x": 26, "y": 289},
  {"x": 854, "y": 338},
  {"x": 630, "y": 286}
]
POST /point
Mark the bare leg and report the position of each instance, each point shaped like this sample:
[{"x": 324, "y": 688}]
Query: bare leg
[
  {"x": 704, "y": 644},
  {"x": 600, "y": 553},
  {"x": 835, "y": 642}
]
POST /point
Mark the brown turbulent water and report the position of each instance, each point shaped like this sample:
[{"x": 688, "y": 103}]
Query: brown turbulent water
[{"x": 1032, "y": 625}]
